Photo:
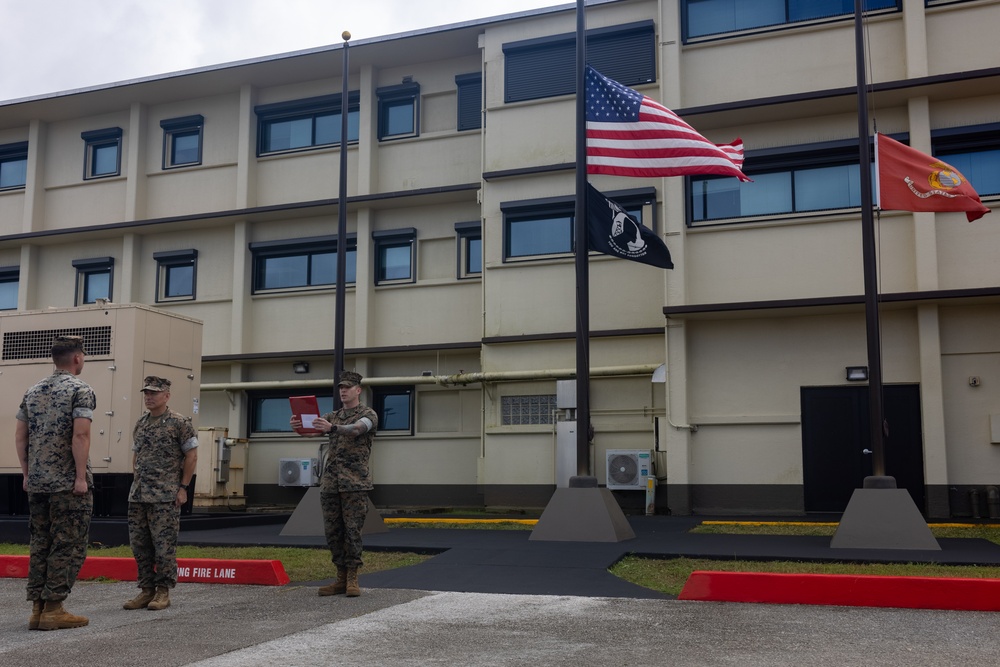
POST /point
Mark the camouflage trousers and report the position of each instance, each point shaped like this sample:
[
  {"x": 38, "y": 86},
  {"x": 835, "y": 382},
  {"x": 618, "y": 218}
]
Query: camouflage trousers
[
  {"x": 152, "y": 534},
  {"x": 59, "y": 526},
  {"x": 343, "y": 518}
]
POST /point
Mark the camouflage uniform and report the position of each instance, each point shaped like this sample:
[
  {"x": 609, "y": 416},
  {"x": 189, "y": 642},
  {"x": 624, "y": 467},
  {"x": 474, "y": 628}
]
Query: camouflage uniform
[
  {"x": 344, "y": 486},
  {"x": 60, "y": 520},
  {"x": 154, "y": 518}
]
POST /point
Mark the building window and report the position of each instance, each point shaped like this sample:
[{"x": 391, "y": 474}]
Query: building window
[
  {"x": 394, "y": 407},
  {"x": 470, "y": 249},
  {"x": 13, "y": 165},
  {"x": 546, "y": 67},
  {"x": 305, "y": 263},
  {"x": 176, "y": 273},
  {"x": 182, "y": 141},
  {"x": 305, "y": 124},
  {"x": 10, "y": 277},
  {"x": 94, "y": 278},
  {"x": 799, "y": 179},
  {"x": 544, "y": 227},
  {"x": 399, "y": 111},
  {"x": 701, "y": 18},
  {"x": 103, "y": 153},
  {"x": 395, "y": 256},
  {"x": 270, "y": 410},
  {"x": 470, "y": 101},
  {"x": 974, "y": 151},
  {"x": 527, "y": 410}
]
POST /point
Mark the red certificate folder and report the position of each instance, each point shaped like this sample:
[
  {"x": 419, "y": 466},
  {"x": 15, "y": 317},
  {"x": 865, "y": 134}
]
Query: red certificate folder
[{"x": 306, "y": 409}]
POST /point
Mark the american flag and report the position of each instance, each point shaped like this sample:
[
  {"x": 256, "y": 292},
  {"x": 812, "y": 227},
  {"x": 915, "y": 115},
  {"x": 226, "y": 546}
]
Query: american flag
[{"x": 628, "y": 134}]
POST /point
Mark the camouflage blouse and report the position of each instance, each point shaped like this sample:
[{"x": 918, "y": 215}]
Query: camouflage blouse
[
  {"x": 49, "y": 409},
  {"x": 345, "y": 466},
  {"x": 160, "y": 444}
]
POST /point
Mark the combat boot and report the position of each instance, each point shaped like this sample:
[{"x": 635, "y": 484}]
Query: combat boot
[
  {"x": 352, "y": 589},
  {"x": 339, "y": 587},
  {"x": 161, "y": 599},
  {"x": 36, "y": 614},
  {"x": 141, "y": 600},
  {"x": 55, "y": 617}
]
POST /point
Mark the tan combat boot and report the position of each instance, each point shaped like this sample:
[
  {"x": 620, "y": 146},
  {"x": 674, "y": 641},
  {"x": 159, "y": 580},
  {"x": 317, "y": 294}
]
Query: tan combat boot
[
  {"x": 339, "y": 587},
  {"x": 55, "y": 617},
  {"x": 36, "y": 614},
  {"x": 353, "y": 590},
  {"x": 161, "y": 599},
  {"x": 141, "y": 600}
]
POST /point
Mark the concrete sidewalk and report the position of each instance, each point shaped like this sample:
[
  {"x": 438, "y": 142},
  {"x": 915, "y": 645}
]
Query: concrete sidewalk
[{"x": 247, "y": 626}]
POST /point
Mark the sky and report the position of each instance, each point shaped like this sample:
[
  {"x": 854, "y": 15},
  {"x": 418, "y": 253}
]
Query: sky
[{"x": 50, "y": 46}]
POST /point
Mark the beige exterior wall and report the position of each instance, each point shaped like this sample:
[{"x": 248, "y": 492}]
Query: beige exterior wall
[{"x": 729, "y": 413}]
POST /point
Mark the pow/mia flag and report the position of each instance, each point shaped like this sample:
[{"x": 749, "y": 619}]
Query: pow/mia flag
[{"x": 612, "y": 231}]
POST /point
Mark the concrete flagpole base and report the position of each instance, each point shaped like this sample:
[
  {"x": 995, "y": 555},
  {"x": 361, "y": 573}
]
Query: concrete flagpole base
[
  {"x": 307, "y": 519},
  {"x": 582, "y": 513},
  {"x": 880, "y": 516}
]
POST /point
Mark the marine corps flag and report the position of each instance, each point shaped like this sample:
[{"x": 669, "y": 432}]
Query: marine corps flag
[
  {"x": 909, "y": 180},
  {"x": 612, "y": 231}
]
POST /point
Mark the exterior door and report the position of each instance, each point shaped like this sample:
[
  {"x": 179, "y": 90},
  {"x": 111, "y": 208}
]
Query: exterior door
[{"x": 836, "y": 443}]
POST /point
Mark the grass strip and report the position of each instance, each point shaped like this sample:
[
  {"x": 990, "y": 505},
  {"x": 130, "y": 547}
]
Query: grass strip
[
  {"x": 669, "y": 575},
  {"x": 301, "y": 564}
]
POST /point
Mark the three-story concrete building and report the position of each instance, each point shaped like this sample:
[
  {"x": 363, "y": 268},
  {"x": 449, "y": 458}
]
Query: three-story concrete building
[{"x": 213, "y": 194}]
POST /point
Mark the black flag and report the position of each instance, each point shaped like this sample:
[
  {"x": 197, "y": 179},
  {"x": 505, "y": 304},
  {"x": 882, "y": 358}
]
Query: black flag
[{"x": 614, "y": 232}]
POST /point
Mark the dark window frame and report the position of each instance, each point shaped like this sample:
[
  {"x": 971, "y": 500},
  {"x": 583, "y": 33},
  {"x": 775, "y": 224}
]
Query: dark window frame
[
  {"x": 10, "y": 274},
  {"x": 546, "y": 66},
  {"x": 255, "y": 397},
  {"x": 969, "y": 139},
  {"x": 788, "y": 6},
  {"x": 635, "y": 201},
  {"x": 783, "y": 159},
  {"x": 401, "y": 95},
  {"x": 165, "y": 263},
  {"x": 379, "y": 395},
  {"x": 85, "y": 270},
  {"x": 309, "y": 246},
  {"x": 10, "y": 154},
  {"x": 466, "y": 233},
  {"x": 394, "y": 238},
  {"x": 174, "y": 128},
  {"x": 96, "y": 140},
  {"x": 312, "y": 108},
  {"x": 469, "y": 106}
]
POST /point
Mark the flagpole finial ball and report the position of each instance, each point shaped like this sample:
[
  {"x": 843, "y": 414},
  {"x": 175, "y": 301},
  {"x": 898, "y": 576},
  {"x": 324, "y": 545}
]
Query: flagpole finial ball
[{"x": 346, "y": 35}]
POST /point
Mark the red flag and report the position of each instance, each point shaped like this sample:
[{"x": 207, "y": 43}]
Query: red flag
[
  {"x": 629, "y": 134},
  {"x": 909, "y": 180}
]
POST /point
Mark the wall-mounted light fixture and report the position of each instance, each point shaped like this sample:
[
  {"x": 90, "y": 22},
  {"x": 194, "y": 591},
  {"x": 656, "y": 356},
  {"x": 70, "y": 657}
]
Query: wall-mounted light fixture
[
  {"x": 857, "y": 373},
  {"x": 300, "y": 366}
]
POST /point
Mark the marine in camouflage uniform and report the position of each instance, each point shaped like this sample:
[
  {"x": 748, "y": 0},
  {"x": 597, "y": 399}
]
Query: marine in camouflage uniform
[
  {"x": 346, "y": 480},
  {"x": 164, "y": 457},
  {"x": 53, "y": 446}
]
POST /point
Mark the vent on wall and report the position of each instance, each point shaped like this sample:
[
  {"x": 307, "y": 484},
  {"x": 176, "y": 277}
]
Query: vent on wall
[{"x": 38, "y": 344}]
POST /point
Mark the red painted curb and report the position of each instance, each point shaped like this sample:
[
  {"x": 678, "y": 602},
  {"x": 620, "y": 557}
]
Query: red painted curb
[
  {"x": 198, "y": 570},
  {"x": 844, "y": 590}
]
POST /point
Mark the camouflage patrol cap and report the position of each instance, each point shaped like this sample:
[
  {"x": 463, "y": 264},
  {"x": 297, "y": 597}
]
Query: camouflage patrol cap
[
  {"x": 65, "y": 344},
  {"x": 349, "y": 379},
  {"x": 153, "y": 383}
]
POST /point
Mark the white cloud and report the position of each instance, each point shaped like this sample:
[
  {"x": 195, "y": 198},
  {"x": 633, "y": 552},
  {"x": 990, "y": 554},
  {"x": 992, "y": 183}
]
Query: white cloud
[{"x": 56, "y": 45}]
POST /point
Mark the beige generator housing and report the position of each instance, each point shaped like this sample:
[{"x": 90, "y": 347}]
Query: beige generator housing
[{"x": 124, "y": 343}]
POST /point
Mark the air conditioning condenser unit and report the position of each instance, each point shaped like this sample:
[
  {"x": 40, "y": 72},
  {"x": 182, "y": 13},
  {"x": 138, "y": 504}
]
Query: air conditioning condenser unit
[
  {"x": 629, "y": 469},
  {"x": 298, "y": 472}
]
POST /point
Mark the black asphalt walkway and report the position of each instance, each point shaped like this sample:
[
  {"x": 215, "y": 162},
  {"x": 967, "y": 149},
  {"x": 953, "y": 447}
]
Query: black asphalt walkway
[{"x": 508, "y": 561}]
